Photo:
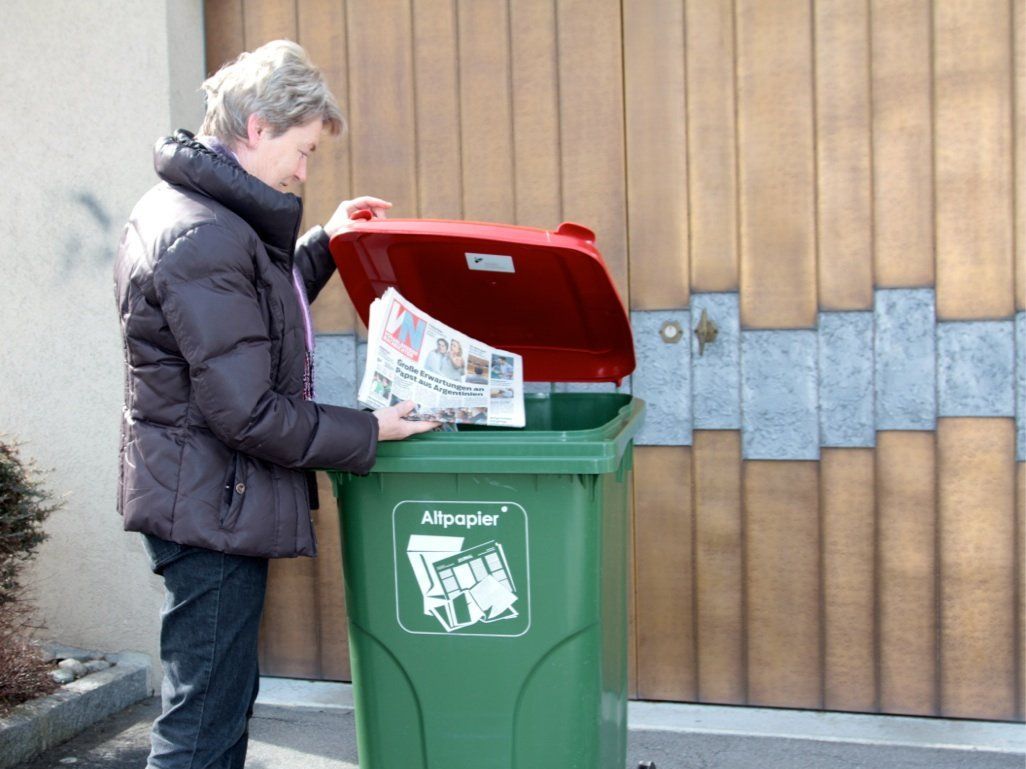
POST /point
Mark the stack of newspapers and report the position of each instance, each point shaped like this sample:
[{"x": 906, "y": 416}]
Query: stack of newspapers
[{"x": 451, "y": 377}]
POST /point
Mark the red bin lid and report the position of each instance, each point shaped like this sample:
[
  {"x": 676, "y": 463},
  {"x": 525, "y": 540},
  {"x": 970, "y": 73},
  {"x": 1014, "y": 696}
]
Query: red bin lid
[{"x": 544, "y": 295}]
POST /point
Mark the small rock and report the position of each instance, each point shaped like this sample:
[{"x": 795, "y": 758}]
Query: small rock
[
  {"x": 68, "y": 760},
  {"x": 62, "y": 676},
  {"x": 62, "y": 651},
  {"x": 75, "y": 667},
  {"x": 95, "y": 666}
]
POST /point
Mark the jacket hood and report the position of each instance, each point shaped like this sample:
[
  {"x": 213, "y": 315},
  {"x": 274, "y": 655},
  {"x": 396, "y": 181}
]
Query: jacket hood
[{"x": 274, "y": 216}]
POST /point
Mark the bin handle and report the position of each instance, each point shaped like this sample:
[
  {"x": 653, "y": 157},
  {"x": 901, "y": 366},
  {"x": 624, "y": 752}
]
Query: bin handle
[{"x": 574, "y": 230}]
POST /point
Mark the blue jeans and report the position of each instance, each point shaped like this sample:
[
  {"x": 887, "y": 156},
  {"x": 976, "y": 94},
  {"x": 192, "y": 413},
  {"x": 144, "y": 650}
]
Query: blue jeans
[{"x": 208, "y": 646}]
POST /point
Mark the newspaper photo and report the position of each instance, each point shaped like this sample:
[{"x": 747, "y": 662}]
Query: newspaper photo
[{"x": 451, "y": 377}]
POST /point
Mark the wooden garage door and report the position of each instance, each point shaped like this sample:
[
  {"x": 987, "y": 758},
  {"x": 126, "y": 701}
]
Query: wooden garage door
[{"x": 801, "y": 156}]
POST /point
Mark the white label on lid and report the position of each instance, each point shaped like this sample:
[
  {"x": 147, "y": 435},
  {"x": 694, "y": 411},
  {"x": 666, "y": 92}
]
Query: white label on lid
[{"x": 490, "y": 262}]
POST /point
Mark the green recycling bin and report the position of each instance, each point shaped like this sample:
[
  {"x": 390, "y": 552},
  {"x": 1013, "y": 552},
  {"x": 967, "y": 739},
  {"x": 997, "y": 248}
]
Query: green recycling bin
[{"x": 486, "y": 569}]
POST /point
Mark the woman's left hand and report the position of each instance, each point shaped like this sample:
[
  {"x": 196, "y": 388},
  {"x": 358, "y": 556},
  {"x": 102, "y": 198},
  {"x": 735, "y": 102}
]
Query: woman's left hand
[{"x": 347, "y": 208}]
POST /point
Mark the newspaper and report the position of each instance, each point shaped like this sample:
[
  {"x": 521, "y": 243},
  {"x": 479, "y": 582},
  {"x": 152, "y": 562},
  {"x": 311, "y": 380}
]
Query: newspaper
[{"x": 451, "y": 377}]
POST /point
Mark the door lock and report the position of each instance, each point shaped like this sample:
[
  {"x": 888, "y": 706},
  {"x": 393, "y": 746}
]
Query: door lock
[{"x": 706, "y": 332}]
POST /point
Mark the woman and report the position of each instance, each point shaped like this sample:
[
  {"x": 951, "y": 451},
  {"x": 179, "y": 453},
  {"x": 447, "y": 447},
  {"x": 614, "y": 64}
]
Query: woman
[{"x": 220, "y": 428}]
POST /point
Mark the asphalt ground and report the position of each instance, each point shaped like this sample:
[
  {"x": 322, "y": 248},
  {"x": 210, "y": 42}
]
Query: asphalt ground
[{"x": 312, "y": 738}]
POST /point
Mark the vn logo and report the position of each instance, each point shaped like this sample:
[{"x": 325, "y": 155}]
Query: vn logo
[{"x": 405, "y": 331}]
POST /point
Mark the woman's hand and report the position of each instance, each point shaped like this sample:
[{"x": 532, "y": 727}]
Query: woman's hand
[
  {"x": 347, "y": 208},
  {"x": 392, "y": 426}
]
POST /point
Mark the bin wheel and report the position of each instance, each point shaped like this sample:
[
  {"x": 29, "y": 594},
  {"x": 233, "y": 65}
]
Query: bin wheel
[{"x": 647, "y": 765}]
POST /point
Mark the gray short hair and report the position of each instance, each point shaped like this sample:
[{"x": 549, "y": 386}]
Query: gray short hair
[{"x": 278, "y": 82}]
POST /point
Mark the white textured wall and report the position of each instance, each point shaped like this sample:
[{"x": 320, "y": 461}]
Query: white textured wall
[{"x": 86, "y": 88}]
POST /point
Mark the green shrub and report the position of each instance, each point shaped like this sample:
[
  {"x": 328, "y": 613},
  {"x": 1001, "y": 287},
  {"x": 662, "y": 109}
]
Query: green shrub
[{"x": 24, "y": 505}]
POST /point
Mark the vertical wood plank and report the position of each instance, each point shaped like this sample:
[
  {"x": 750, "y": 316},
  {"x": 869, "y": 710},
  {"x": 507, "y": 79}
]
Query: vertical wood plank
[
  {"x": 486, "y": 121},
  {"x": 538, "y": 191},
  {"x": 591, "y": 120},
  {"x": 906, "y": 595},
  {"x": 902, "y": 143},
  {"x": 223, "y": 31},
  {"x": 289, "y": 636},
  {"x": 1019, "y": 146},
  {"x": 267, "y": 20},
  {"x": 849, "y": 539},
  {"x": 976, "y": 482},
  {"x": 712, "y": 136},
  {"x": 439, "y": 185},
  {"x": 322, "y": 32},
  {"x": 776, "y": 164},
  {"x": 663, "y": 524},
  {"x": 844, "y": 187},
  {"x": 973, "y": 152},
  {"x": 657, "y": 190},
  {"x": 1020, "y": 576},
  {"x": 716, "y": 460},
  {"x": 782, "y": 583},
  {"x": 381, "y": 104},
  {"x": 332, "y": 624}
]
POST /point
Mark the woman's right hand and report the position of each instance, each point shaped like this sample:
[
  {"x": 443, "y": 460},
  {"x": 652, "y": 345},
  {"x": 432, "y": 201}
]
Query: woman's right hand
[{"x": 393, "y": 427}]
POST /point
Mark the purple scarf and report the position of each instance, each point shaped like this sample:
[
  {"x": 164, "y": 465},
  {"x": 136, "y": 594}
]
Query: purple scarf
[{"x": 304, "y": 303}]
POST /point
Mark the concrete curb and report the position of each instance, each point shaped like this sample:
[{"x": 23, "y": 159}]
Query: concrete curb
[
  {"x": 40, "y": 724},
  {"x": 829, "y": 727},
  {"x": 676, "y": 735}
]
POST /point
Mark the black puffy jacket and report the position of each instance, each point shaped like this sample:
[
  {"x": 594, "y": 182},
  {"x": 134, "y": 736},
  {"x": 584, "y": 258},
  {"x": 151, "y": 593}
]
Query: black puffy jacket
[{"x": 215, "y": 432}]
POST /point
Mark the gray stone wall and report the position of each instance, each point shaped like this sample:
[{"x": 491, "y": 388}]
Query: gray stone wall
[{"x": 792, "y": 392}]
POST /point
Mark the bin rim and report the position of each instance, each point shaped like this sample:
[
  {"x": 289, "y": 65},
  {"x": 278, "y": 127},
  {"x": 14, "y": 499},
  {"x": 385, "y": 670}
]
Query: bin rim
[{"x": 590, "y": 451}]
